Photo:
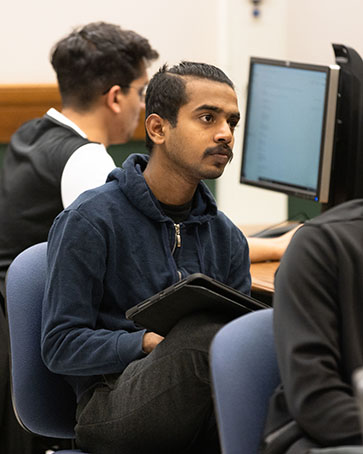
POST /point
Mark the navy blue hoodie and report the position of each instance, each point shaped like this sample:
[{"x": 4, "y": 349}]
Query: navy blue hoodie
[{"x": 111, "y": 249}]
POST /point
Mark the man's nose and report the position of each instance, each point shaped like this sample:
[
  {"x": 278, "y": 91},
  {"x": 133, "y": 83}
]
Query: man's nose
[{"x": 224, "y": 133}]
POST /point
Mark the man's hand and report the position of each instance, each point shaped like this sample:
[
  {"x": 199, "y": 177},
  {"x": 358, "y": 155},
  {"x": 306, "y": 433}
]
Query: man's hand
[{"x": 150, "y": 341}]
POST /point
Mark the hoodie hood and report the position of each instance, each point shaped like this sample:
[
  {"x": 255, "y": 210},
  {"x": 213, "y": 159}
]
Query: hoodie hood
[{"x": 132, "y": 183}]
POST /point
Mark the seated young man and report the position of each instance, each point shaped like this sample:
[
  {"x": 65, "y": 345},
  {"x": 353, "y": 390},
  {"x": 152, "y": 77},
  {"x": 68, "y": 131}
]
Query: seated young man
[
  {"x": 318, "y": 319},
  {"x": 151, "y": 224}
]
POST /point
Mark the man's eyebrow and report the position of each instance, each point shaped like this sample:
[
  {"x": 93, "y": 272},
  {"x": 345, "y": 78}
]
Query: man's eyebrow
[
  {"x": 208, "y": 107},
  {"x": 217, "y": 110}
]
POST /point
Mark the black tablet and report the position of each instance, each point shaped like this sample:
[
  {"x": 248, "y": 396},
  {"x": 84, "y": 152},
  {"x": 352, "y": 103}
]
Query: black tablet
[{"x": 195, "y": 293}]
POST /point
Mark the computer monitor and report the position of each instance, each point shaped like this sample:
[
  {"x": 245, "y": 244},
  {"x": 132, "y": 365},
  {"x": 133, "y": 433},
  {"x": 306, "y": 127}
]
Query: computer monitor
[{"x": 289, "y": 127}]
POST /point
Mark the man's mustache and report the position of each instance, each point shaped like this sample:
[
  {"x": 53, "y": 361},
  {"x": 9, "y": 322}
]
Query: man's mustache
[{"x": 220, "y": 149}]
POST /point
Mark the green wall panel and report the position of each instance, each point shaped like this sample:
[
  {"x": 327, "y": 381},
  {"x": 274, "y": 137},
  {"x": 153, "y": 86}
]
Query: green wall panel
[
  {"x": 2, "y": 152},
  {"x": 301, "y": 209}
]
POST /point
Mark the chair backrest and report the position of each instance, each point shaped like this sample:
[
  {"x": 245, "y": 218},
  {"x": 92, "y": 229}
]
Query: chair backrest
[
  {"x": 244, "y": 374},
  {"x": 43, "y": 402}
]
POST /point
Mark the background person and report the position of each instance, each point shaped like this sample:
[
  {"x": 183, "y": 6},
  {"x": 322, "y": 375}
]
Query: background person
[{"x": 101, "y": 73}]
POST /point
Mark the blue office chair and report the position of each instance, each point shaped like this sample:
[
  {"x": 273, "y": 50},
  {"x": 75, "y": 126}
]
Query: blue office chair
[
  {"x": 43, "y": 401},
  {"x": 244, "y": 374}
]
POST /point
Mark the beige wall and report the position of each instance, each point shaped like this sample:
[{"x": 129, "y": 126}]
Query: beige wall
[
  {"x": 179, "y": 30},
  {"x": 314, "y": 24}
]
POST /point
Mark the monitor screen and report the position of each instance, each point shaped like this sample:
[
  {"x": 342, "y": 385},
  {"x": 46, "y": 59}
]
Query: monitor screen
[{"x": 289, "y": 127}]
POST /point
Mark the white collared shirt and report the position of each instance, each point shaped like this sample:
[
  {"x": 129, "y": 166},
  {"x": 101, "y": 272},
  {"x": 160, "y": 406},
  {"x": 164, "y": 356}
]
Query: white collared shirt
[{"x": 87, "y": 168}]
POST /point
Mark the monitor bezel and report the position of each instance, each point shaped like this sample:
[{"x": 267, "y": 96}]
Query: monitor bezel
[{"x": 321, "y": 194}]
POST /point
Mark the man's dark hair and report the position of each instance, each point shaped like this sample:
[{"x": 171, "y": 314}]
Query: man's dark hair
[
  {"x": 166, "y": 92},
  {"x": 93, "y": 58}
]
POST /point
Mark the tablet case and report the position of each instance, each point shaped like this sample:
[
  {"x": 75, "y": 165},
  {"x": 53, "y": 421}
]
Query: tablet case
[{"x": 195, "y": 293}]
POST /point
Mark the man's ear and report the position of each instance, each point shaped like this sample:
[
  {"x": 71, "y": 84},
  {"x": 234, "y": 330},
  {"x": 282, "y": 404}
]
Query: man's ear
[
  {"x": 114, "y": 98},
  {"x": 155, "y": 127}
]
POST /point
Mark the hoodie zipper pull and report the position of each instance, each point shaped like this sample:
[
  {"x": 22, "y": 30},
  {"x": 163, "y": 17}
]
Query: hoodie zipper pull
[{"x": 177, "y": 235}]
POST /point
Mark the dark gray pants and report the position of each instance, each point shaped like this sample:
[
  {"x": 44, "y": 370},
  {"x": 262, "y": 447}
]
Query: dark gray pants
[{"x": 159, "y": 404}]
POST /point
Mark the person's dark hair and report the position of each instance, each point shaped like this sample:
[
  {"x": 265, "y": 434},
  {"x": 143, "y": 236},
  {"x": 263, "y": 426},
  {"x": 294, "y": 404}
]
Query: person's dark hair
[
  {"x": 93, "y": 58},
  {"x": 166, "y": 92}
]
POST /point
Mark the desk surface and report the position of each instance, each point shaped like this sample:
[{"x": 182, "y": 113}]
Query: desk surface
[{"x": 262, "y": 275}]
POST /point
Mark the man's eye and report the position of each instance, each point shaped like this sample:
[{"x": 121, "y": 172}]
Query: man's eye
[{"x": 208, "y": 118}]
